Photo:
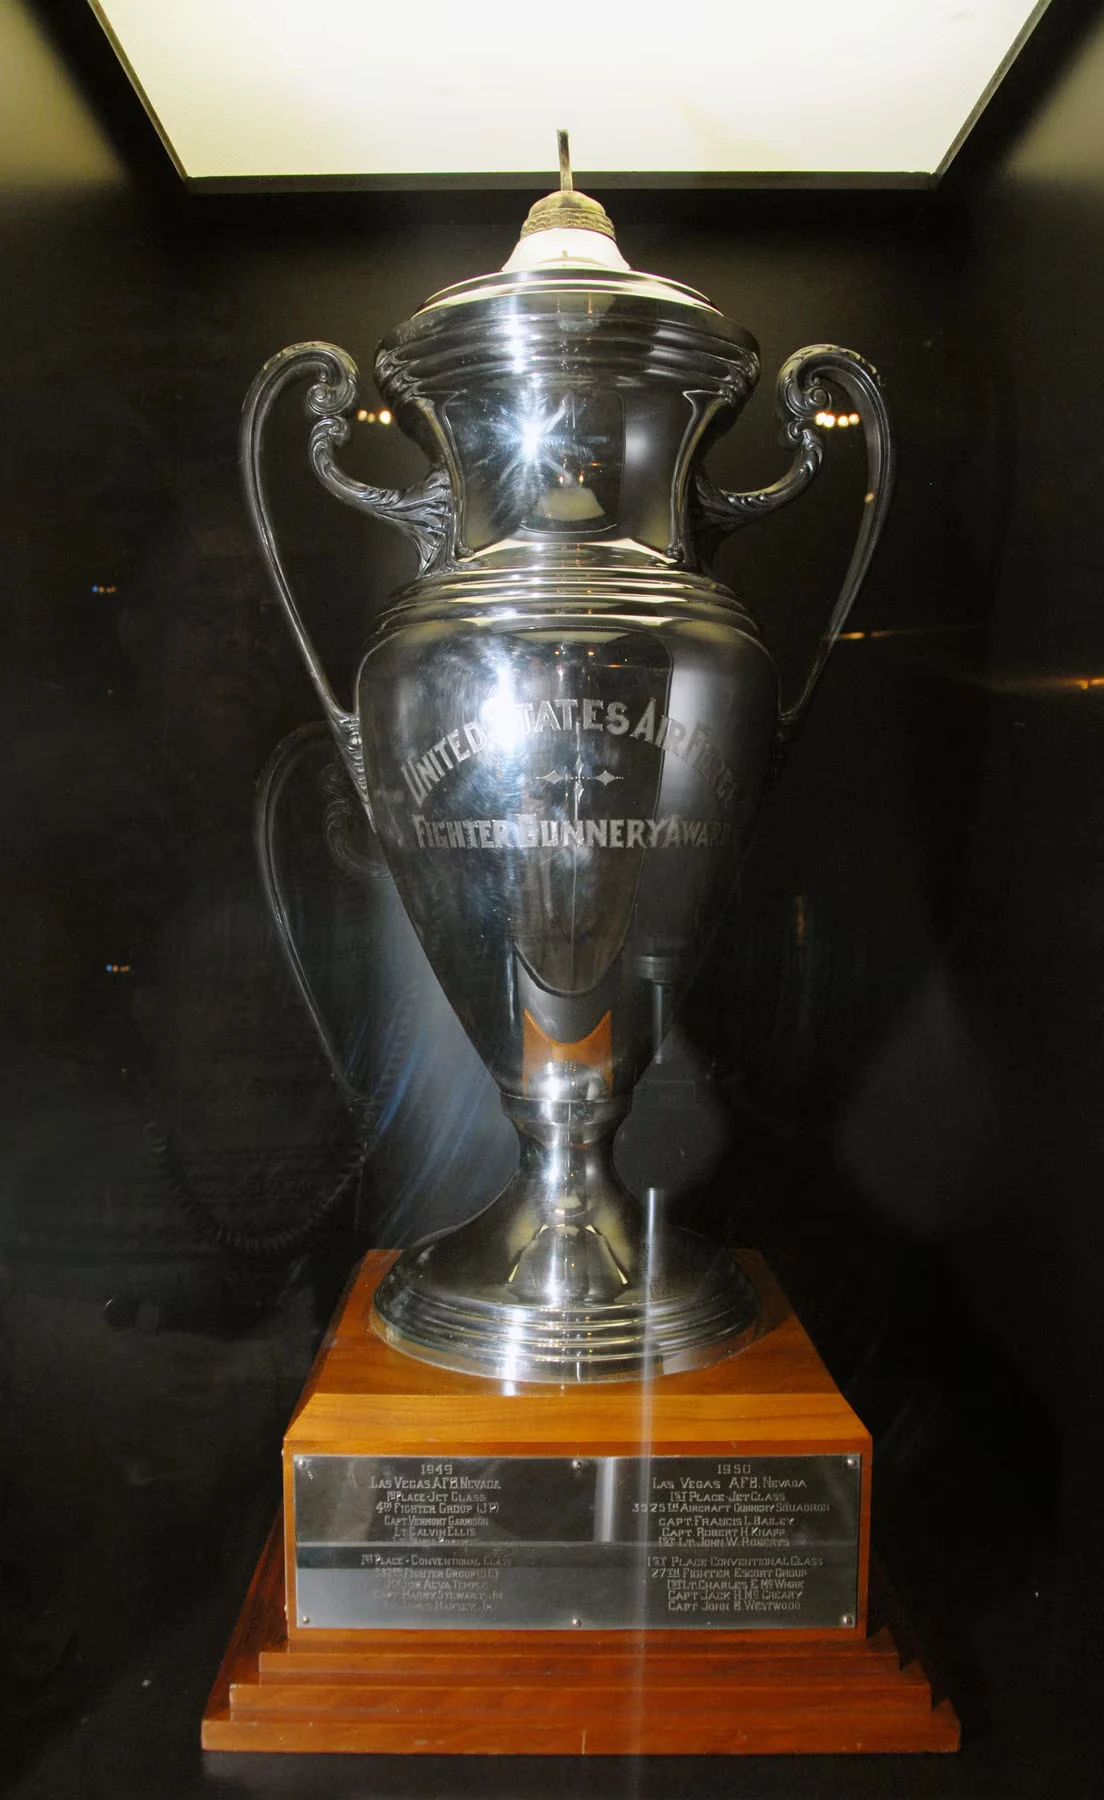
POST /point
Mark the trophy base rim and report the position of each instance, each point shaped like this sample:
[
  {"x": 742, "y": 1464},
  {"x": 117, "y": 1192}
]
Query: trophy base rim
[
  {"x": 715, "y": 1315},
  {"x": 709, "y": 1695}
]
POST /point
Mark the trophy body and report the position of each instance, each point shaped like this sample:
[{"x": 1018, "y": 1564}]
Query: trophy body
[{"x": 551, "y": 760}]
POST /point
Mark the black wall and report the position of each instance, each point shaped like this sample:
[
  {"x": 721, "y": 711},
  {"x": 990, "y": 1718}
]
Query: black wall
[
  {"x": 886, "y": 1077},
  {"x": 1029, "y": 963}
]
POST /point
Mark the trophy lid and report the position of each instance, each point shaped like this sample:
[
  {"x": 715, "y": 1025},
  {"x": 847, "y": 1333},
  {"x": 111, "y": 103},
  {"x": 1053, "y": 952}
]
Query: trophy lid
[
  {"x": 568, "y": 242},
  {"x": 566, "y": 313}
]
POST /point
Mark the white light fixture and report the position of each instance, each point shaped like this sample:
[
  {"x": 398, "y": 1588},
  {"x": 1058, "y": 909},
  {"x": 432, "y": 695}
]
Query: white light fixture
[{"x": 343, "y": 91}]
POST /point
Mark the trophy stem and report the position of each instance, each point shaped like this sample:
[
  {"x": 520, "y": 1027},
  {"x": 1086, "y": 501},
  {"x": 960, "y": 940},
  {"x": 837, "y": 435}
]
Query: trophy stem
[{"x": 560, "y": 1278}]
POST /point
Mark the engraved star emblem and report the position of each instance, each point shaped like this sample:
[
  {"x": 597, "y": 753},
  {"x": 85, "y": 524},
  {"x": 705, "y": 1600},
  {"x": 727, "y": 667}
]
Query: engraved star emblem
[{"x": 578, "y": 776}]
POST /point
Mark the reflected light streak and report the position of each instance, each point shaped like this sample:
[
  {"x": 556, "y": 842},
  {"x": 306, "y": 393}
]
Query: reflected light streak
[
  {"x": 896, "y": 631},
  {"x": 1041, "y": 684},
  {"x": 447, "y": 1146},
  {"x": 801, "y": 920},
  {"x": 994, "y": 684}
]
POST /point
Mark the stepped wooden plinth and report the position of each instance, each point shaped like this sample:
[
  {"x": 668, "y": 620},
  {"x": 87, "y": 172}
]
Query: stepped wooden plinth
[{"x": 606, "y": 1692}]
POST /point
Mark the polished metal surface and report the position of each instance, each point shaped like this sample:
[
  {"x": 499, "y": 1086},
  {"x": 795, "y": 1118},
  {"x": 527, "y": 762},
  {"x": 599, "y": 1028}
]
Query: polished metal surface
[
  {"x": 562, "y": 732},
  {"x": 591, "y": 1543}
]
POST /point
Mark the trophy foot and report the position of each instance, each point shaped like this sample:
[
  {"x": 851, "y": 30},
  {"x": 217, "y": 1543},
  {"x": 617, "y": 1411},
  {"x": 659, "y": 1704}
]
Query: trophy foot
[{"x": 576, "y": 1291}]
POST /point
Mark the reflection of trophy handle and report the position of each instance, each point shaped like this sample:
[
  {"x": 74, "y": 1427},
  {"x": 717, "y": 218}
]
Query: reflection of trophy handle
[
  {"x": 423, "y": 512},
  {"x": 801, "y": 396},
  {"x": 367, "y": 1108},
  {"x": 269, "y": 790}
]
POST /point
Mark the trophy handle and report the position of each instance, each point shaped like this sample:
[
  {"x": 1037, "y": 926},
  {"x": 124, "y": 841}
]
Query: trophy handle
[
  {"x": 801, "y": 395},
  {"x": 423, "y": 512}
]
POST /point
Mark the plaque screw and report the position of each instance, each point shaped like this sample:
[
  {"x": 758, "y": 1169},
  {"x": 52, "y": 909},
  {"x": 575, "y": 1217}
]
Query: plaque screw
[
  {"x": 576, "y": 1464},
  {"x": 304, "y": 1618},
  {"x": 851, "y": 1461},
  {"x": 847, "y": 1619},
  {"x": 300, "y": 1462},
  {"x": 576, "y": 1621}
]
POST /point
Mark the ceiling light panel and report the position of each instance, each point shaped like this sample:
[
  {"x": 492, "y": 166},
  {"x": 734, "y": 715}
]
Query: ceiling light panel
[{"x": 242, "y": 89}]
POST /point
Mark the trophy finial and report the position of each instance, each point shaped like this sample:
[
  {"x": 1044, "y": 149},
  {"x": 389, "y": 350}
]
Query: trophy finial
[
  {"x": 567, "y": 209},
  {"x": 567, "y": 184}
]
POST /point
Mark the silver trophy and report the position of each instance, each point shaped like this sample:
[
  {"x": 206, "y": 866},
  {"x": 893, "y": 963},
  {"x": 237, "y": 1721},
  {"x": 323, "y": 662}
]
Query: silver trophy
[{"x": 561, "y": 734}]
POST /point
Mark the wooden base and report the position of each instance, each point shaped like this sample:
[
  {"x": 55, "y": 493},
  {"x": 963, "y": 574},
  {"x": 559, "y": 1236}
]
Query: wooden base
[{"x": 627, "y": 1692}]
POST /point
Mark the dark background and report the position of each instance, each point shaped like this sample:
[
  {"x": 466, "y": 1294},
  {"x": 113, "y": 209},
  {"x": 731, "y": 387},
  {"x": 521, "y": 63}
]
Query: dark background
[{"x": 888, "y": 1078}]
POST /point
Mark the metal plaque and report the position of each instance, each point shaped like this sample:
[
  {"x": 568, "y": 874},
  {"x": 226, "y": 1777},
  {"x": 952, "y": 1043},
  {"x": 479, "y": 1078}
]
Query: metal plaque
[{"x": 553, "y": 1543}]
